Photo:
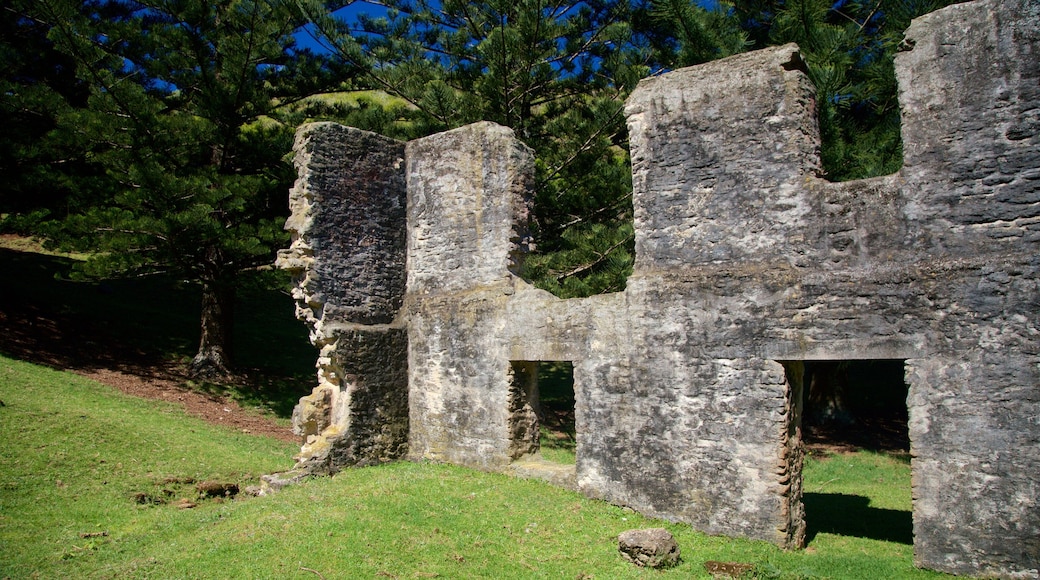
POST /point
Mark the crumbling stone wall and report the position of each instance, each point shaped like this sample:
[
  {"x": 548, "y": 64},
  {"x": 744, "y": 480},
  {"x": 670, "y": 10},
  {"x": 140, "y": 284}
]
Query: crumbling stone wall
[
  {"x": 348, "y": 258},
  {"x": 748, "y": 263}
]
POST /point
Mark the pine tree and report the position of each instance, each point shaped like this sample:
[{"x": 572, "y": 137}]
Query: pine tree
[
  {"x": 37, "y": 84},
  {"x": 848, "y": 47},
  {"x": 556, "y": 73},
  {"x": 184, "y": 97}
]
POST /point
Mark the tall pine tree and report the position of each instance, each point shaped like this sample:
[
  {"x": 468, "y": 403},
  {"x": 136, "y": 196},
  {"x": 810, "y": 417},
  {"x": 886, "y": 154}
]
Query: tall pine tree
[
  {"x": 684, "y": 33},
  {"x": 181, "y": 116}
]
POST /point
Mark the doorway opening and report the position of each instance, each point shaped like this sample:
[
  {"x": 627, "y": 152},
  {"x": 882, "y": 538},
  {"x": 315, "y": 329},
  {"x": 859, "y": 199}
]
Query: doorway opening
[
  {"x": 541, "y": 401},
  {"x": 853, "y": 421},
  {"x": 849, "y": 405}
]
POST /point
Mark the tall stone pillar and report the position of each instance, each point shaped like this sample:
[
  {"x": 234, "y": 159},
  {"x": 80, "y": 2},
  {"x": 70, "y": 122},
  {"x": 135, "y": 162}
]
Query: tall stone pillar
[
  {"x": 970, "y": 93},
  {"x": 700, "y": 426},
  {"x": 348, "y": 260},
  {"x": 721, "y": 153},
  {"x": 468, "y": 192}
]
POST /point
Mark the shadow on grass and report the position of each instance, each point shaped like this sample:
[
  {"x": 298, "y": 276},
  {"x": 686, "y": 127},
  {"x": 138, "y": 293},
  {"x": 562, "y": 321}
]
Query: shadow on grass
[
  {"x": 150, "y": 327},
  {"x": 851, "y": 515},
  {"x": 274, "y": 394}
]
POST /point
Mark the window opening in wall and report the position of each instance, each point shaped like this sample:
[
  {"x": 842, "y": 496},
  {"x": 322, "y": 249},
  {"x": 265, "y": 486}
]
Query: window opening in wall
[
  {"x": 856, "y": 473},
  {"x": 542, "y": 410}
]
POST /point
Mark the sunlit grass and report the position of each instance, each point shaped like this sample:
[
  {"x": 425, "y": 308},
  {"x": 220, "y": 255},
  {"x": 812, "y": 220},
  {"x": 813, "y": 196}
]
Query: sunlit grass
[
  {"x": 353, "y": 98},
  {"x": 75, "y": 457},
  {"x": 34, "y": 245}
]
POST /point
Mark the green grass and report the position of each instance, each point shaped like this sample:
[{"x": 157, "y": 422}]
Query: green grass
[
  {"x": 76, "y": 458},
  {"x": 863, "y": 495},
  {"x": 355, "y": 97}
]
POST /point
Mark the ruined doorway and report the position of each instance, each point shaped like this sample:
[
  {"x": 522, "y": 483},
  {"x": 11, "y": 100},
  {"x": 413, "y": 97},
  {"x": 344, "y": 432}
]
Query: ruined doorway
[
  {"x": 852, "y": 416},
  {"x": 855, "y": 404},
  {"x": 558, "y": 438},
  {"x": 541, "y": 411}
]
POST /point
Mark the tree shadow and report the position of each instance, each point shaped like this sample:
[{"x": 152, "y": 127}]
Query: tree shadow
[
  {"x": 851, "y": 515},
  {"x": 146, "y": 326}
]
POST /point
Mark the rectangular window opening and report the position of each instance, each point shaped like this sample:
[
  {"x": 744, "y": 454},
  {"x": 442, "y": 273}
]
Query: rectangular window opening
[{"x": 541, "y": 399}]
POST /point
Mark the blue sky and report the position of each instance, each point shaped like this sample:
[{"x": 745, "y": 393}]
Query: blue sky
[{"x": 350, "y": 12}]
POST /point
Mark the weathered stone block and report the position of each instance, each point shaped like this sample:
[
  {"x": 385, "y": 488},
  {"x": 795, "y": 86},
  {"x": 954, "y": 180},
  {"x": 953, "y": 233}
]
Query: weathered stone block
[
  {"x": 722, "y": 151},
  {"x": 313, "y": 413},
  {"x": 468, "y": 195},
  {"x": 348, "y": 225},
  {"x": 649, "y": 548},
  {"x": 971, "y": 127}
]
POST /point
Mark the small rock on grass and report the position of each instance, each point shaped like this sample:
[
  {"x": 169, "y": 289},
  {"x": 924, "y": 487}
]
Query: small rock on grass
[{"x": 649, "y": 548}]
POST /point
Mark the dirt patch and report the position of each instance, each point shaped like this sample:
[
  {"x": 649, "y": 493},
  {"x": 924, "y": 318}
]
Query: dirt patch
[
  {"x": 43, "y": 338},
  {"x": 886, "y": 434},
  {"x": 216, "y": 410}
]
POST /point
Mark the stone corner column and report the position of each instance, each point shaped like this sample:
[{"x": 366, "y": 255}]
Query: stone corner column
[
  {"x": 347, "y": 257},
  {"x": 468, "y": 195},
  {"x": 721, "y": 156},
  {"x": 469, "y": 192}
]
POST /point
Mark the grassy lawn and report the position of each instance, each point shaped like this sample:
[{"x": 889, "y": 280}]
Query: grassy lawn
[{"x": 90, "y": 482}]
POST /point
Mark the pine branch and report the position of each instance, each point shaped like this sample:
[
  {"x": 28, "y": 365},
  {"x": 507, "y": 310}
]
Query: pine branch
[
  {"x": 601, "y": 257},
  {"x": 586, "y": 145}
]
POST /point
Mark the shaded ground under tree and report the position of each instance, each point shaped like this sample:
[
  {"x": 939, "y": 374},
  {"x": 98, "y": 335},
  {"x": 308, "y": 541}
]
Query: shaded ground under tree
[{"x": 138, "y": 336}]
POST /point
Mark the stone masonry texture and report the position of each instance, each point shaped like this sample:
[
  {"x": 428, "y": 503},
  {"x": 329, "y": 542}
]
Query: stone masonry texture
[
  {"x": 748, "y": 264},
  {"x": 347, "y": 256}
]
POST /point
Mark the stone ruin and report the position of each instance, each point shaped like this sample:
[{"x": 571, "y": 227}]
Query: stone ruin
[{"x": 688, "y": 384}]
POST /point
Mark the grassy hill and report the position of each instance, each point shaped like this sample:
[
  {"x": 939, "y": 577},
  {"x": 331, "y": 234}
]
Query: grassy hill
[{"x": 94, "y": 484}]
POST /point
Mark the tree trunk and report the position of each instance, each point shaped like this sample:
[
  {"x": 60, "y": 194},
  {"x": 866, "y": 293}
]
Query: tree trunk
[
  {"x": 213, "y": 361},
  {"x": 826, "y": 404}
]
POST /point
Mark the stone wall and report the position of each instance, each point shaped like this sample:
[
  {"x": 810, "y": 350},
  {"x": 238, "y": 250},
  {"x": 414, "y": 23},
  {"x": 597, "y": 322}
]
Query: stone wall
[
  {"x": 348, "y": 258},
  {"x": 970, "y": 91},
  {"x": 748, "y": 264}
]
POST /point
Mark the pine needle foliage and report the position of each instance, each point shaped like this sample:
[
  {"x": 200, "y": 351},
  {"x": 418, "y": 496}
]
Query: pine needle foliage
[
  {"x": 37, "y": 83},
  {"x": 186, "y": 179},
  {"x": 848, "y": 47},
  {"x": 557, "y": 73},
  {"x": 684, "y": 33}
]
